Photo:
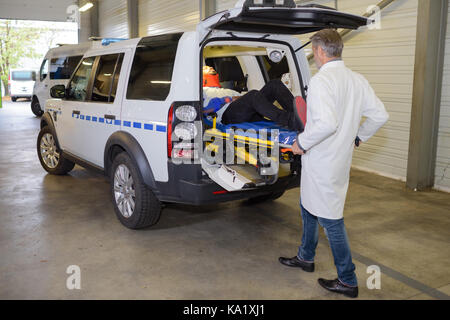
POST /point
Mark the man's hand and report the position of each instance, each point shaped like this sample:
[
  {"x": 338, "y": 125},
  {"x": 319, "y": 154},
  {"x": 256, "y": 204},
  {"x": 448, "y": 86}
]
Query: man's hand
[
  {"x": 296, "y": 149},
  {"x": 235, "y": 98}
]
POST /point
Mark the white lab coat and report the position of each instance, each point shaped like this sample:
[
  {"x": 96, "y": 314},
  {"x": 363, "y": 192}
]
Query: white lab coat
[{"x": 338, "y": 98}]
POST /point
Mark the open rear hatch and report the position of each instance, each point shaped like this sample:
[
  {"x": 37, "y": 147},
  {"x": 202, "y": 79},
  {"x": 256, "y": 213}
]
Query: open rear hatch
[
  {"x": 267, "y": 17},
  {"x": 285, "y": 18}
]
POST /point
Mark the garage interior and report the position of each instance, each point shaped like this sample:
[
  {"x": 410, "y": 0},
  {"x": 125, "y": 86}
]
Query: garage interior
[{"x": 397, "y": 211}]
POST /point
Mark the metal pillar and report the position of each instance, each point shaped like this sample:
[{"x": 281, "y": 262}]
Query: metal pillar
[
  {"x": 429, "y": 60},
  {"x": 133, "y": 18},
  {"x": 207, "y": 8},
  {"x": 88, "y": 21}
]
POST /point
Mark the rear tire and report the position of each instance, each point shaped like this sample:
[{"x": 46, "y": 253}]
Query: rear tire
[
  {"x": 36, "y": 108},
  {"x": 13, "y": 99},
  {"x": 50, "y": 156},
  {"x": 135, "y": 204}
]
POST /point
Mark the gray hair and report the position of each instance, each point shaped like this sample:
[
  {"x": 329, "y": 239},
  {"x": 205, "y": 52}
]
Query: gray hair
[{"x": 330, "y": 41}]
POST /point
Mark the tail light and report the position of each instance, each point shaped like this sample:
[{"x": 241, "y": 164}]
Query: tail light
[{"x": 183, "y": 130}]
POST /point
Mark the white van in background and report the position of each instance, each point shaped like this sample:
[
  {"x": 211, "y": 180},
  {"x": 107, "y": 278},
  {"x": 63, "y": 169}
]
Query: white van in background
[
  {"x": 56, "y": 68},
  {"x": 21, "y": 83}
]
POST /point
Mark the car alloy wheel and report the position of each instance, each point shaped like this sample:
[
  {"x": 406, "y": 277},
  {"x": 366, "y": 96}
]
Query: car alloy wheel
[
  {"x": 124, "y": 192},
  {"x": 49, "y": 153}
]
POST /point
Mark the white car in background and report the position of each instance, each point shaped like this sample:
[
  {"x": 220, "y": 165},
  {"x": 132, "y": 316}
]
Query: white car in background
[
  {"x": 21, "y": 83},
  {"x": 56, "y": 68}
]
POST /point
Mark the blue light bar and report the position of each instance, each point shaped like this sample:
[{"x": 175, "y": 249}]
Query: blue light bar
[{"x": 108, "y": 41}]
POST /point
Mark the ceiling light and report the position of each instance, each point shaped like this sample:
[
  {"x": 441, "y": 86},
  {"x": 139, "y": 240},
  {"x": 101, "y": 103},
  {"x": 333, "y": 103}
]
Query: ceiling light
[{"x": 86, "y": 7}]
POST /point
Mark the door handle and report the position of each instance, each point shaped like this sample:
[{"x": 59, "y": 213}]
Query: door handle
[{"x": 110, "y": 116}]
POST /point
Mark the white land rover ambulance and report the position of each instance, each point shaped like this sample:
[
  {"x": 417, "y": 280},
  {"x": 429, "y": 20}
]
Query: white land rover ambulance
[{"x": 128, "y": 105}]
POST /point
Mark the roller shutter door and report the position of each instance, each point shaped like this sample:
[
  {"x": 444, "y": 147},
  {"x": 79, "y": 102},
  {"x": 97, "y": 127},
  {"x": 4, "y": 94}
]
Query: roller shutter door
[
  {"x": 386, "y": 58},
  {"x": 167, "y": 16},
  {"x": 442, "y": 175},
  {"x": 113, "y": 18},
  {"x": 222, "y": 5}
]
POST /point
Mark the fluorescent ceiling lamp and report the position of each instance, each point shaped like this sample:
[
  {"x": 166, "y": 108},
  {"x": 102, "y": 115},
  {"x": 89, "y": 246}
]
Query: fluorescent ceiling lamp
[
  {"x": 86, "y": 7},
  {"x": 162, "y": 82}
]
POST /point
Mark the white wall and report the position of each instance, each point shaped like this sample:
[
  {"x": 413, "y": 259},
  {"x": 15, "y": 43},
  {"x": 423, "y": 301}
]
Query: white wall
[{"x": 442, "y": 173}]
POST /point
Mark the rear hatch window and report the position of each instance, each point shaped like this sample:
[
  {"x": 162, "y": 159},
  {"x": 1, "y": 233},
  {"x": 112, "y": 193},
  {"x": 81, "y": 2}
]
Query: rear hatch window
[{"x": 22, "y": 76}]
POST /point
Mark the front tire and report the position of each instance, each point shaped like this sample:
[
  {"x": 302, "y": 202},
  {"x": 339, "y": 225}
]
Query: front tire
[
  {"x": 36, "y": 108},
  {"x": 135, "y": 204},
  {"x": 49, "y": 155},
  {"x": 13, "y": 99}
]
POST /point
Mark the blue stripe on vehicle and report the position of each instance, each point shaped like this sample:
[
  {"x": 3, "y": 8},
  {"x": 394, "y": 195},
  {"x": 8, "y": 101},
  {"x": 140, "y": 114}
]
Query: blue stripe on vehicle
[
  {"x": 126, "y": 123},
  {"x": 160, "y": 128}
]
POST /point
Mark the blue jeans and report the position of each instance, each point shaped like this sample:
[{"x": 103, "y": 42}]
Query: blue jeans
[{"x": 337, "y": 237}]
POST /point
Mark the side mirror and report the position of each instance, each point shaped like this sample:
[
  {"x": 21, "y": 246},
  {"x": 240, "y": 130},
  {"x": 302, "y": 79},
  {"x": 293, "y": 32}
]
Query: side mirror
[{"x": 58, "y": 91}]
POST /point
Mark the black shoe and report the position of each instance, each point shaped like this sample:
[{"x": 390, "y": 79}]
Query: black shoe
[
  {"x": 339, "y": 287},
  {"x": 297, "y": 263}
]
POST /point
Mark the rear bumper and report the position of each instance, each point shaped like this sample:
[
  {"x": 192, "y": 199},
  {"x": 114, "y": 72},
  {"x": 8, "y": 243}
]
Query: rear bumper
[
  {"x": 206, "y": 191},
  {"x": 21, "y": 95}
]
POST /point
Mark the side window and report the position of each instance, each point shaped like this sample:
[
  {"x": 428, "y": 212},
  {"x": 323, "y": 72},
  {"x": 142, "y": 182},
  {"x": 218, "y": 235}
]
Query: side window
[
  {"x": 61, "y": 68},
  {"x": 44, "y": 70},
  {"x": 151, "y": 73},
  {"x": 78, "y": 87},
  {"x": 116, "y": 78},
  {"x": 103, "y": 81}
]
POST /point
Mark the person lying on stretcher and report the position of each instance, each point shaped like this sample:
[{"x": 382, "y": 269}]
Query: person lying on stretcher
[{"x": 231, "y": 107}]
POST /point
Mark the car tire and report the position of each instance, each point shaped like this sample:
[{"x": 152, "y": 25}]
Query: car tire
[
  {"x": 268, "y": 197},
  {"x": 36, "y": 108},
  {"x": 135, "y": 205},
  {"x": 13, "y": 99},
  {"x": 49, "y": 155}
]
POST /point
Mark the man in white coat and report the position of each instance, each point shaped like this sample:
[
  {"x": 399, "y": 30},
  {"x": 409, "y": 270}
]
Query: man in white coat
[{"x": 337, "y": 100}]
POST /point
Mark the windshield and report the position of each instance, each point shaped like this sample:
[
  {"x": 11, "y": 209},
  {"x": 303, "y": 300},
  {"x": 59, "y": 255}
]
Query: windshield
[{"x": 22, "y": 76}]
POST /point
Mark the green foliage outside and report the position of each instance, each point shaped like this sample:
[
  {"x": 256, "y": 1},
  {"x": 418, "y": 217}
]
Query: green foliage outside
[{"x": 16, "y": 42}]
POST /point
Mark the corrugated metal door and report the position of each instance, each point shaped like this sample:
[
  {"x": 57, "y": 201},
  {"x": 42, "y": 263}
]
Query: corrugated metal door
[
  {"x": 442, "y": 174},
  {"x": 386, "y": 58},
  {"x": 222, "y": 5},
  {"x": 165, "y": 16},
  {"x": 113, "y": 18}
]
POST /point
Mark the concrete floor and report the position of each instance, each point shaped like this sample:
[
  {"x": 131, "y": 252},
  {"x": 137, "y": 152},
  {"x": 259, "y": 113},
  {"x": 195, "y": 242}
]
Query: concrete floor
[{"x": 226, "y": 251}]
